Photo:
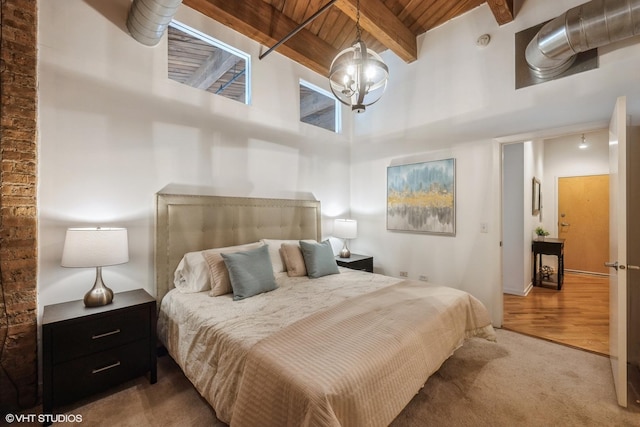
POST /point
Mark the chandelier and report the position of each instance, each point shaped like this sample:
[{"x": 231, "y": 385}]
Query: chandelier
[{"x": 358, "y": 76}]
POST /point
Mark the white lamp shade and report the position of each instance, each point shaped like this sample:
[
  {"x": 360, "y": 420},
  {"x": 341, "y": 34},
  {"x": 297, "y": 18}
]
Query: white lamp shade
[
  {"x": 345, "y": 228},
  {"x": 95, "y": 247}
]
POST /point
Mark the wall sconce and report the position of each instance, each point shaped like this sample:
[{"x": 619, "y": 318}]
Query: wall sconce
[{"x": 96, "y": 247}]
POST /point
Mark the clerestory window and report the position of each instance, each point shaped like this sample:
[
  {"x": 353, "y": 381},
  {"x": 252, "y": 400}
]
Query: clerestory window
[
  {"x": 202, "y": 62},
  {"x": 319, "y": 108}
]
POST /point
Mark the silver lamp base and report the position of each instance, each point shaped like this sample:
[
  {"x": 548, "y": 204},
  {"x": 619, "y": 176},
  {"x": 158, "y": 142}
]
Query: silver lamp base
[
  {"x": 345, "y": 252},
  {"x": 99, "y": 295}
]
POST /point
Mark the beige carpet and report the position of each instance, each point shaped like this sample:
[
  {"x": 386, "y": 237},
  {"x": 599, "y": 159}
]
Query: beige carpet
[{"x": 519, "y": 381}]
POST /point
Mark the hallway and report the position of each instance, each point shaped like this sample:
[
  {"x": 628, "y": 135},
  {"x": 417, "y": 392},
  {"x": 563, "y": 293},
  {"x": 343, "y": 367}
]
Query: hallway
[{"x": 577, "y": 316}]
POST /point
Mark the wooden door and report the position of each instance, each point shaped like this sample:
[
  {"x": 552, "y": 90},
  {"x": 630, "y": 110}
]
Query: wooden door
[
  {"x": 618, "y": 249},
  {"x": 583, "y": 220},
  {"x": 633, "y": 261}
]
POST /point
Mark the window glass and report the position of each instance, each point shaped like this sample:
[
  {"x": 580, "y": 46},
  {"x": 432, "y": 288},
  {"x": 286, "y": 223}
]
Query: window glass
[
  {"x": 318, "y": 107},
  {"x": 200, "y": 61}
]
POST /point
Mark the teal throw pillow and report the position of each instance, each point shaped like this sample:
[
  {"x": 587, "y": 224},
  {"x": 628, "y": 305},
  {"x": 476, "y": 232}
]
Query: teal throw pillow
[
  {"x": 250, "y": 272},
  {"x": 318, "y": 258}
]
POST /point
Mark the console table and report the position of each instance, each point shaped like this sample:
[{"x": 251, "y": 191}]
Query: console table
[{"x": 548, "y": 246}]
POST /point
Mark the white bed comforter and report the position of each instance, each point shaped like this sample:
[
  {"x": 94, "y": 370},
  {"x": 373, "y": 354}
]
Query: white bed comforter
[{"x": 210, "y": 338}]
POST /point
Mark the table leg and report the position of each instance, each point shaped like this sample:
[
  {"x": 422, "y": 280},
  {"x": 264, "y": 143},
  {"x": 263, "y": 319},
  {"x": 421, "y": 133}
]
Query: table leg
[{"x": 560, "y": 271}]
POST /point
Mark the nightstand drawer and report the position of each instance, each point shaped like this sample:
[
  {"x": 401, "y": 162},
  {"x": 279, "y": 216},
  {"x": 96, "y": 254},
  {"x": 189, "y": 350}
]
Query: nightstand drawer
[
  {"x": 86, "y": 375},
  {"x": 80, "y": 338}
]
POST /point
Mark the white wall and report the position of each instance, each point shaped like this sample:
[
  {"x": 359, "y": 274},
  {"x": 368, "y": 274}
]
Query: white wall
[
  {"x": 534, "y": 168},
  {"x": 114, "y": 130},
  {"x": 513, "y": 219},
  {"x": 465, "y": 261},
  {"x": 521, "y": 163},
  {"x": 458, "y": 100}
]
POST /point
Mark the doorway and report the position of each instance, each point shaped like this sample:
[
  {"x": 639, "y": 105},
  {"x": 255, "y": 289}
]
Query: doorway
[
  {"x": 577, "y": 316},
  {"x": 585, "y": 191}
]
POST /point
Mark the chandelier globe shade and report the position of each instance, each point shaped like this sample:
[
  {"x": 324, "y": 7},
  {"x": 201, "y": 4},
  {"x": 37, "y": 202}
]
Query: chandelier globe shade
[{"x": 358, "y": 77}]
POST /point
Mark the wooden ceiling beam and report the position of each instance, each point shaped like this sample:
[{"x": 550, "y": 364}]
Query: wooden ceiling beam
[
  {"x": 314, "y": 103},
  {"x": 266, "y": 25},
  {"x": 380, "y": 22},
  {"x": 214, "y": 67},
  {"x": 502, "y": 10}
]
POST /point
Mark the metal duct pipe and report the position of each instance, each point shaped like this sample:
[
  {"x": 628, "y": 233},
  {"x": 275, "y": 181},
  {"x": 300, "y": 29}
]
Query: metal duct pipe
[
  {"x": 148, "y": 19},
  {"x": 590, "y": 25}
]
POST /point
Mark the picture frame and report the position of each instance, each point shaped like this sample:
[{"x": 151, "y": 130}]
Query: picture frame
[
  {"x": 535, "y": 196},
  {"x": 421, "y": 197}
]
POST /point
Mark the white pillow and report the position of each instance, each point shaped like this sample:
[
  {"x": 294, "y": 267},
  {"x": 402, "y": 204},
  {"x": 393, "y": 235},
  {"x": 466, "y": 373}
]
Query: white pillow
[{"x": 192, "y": 274}]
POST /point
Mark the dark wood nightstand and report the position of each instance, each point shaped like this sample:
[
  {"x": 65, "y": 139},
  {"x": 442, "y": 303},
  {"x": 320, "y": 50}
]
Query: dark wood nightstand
[
  {"x": 87, "y": 350},
  {"x": 356, "y": 262}
]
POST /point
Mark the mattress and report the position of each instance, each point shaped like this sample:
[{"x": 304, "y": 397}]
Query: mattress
[{"x": 223, "y": 346}]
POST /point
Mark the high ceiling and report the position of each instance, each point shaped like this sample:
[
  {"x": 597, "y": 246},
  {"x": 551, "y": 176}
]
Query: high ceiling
[{"x": 386, "y": 24}]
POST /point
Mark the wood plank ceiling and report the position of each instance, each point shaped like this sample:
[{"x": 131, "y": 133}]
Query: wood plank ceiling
[{"x": 386, "y": 24}]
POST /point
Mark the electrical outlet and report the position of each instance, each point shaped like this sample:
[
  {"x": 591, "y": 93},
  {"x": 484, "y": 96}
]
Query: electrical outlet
[
  {"x": 404, "y": 274},
  {"x": 484, "y": 227},
  {"x": 424, "y": 278}
]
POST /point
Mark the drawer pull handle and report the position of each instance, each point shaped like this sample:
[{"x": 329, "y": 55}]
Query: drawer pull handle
[
  {"x": 113, "y": 365},
  {"x": 106, "y": 334}
]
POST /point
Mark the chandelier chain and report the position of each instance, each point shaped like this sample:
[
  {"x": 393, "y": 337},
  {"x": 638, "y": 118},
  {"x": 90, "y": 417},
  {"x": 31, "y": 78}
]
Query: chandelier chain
[
  {"x": 358, "y": 34},
  {"x": 358, "y": 76}
]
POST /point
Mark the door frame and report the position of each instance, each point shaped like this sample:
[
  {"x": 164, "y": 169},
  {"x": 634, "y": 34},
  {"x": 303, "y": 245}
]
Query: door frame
[{"x": 499, "y": 144}]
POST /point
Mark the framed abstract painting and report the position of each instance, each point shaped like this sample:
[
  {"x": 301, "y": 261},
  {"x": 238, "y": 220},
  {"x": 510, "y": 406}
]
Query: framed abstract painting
[{"x": 421, "y": 197}]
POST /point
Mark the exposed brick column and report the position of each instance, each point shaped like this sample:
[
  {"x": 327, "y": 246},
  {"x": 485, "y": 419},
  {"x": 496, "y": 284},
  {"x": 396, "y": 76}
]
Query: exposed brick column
[{"x": 18, "y": 210}]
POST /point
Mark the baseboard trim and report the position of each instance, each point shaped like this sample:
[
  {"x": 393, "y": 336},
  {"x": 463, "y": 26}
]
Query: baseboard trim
[
  {"x": 519, "y": 292},
  {"x": 590, "y": 273}
]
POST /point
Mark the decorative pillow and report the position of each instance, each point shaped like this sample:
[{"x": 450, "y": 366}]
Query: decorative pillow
[
  {"x": 220, "y": 283},
  {"x": 192, "y": 274},
  {"x": 318, "y": 258},
  {"x": 274, "y": 253},
  {"x": 250, "y": 272},
  {"x": 293, "y": 260}
]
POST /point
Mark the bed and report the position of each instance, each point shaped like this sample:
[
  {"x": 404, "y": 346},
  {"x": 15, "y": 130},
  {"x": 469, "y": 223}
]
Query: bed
[{"x": 345, "y": 348}]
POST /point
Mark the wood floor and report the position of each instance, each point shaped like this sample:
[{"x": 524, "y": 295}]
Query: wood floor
[{"x": 577, "y": 316}]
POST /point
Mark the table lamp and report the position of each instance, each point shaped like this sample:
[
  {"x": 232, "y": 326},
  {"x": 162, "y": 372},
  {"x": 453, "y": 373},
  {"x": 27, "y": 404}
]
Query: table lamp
[
  {"x": 96, "y": 247},
  {"x": 345, "y": 229}
]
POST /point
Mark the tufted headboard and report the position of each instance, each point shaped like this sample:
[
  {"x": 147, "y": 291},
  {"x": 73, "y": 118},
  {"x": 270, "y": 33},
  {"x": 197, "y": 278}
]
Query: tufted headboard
[{"x": 187, "y": 223}]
